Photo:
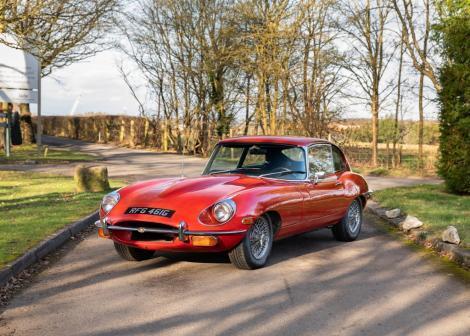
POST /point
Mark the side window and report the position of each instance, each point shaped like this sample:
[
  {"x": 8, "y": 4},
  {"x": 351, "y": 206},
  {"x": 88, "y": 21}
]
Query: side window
[
  {"x": 320, "y": 159},
  {"x": 338, "y": 159}
]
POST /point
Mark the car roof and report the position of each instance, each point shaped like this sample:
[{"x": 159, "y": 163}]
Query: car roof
[{"x": 270, "y": 139}]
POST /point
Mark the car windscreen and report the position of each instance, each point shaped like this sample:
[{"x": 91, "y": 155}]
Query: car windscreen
[{"x": 266, "y": 160}]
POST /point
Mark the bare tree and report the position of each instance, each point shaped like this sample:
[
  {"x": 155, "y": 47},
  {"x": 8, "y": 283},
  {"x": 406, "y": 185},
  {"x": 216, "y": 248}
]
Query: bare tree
[
  {"x": 365, "y": 25},
  {"x": 398, "y": 103},
  {"x": 185, "y": 48},
  {"x": 268, "y": 31},
  {"x": 316, "y": 82},
  {"x": 416, "y": 25},
  {"x": 415, "y": 19},
  {"x": 58, "y": 32}
]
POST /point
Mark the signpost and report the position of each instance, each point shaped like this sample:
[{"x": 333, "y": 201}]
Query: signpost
[
  {"x": 20, "y": 81},
  {"x": 7, "y": 126}
]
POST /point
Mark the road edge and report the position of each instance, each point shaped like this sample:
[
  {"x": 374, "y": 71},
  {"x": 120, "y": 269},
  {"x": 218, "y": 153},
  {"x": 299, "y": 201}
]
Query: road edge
[
  {"x": 457, "y": 254},
  {"x": 50, "y": 244}
]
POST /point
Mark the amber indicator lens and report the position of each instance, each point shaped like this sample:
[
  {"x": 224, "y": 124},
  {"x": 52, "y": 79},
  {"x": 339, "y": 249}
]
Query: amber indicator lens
[
  {"x": 101, "y": 233},
  {"x": 248, "y": 220},
  {"x": 204, "y": 240}
]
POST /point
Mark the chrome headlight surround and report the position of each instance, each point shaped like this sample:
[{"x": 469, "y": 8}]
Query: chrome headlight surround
[
  {"x": 109, "y": 201},
  {"x": 224, "y": 210}
]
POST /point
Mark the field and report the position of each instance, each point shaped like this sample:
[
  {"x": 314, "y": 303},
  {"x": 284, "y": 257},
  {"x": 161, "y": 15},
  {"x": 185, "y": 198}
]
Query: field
[{"x": 406, "y": 162}]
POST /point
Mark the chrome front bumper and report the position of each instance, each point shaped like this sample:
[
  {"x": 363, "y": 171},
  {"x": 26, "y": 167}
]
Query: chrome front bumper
[{"x": 181, "y": 231}]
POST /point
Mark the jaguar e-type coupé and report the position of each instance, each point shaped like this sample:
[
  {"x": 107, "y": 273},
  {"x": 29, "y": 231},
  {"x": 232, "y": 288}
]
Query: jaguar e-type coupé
[{"x": 253, "y": 191}]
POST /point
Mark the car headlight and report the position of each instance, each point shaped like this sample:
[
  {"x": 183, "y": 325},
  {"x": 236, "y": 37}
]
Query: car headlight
[
  {"x": 224, "y": 210},
  {"x": 109, "y": 201}
]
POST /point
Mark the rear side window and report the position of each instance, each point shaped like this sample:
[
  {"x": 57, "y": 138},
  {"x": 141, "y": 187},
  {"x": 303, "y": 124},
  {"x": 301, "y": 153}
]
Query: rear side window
[
  {"x": 338, "y": 159},
  {"x": 320, "y": 159}
]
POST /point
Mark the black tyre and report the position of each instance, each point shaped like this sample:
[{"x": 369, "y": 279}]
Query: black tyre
[
  {"x": 133, "y": 253},
  {"x": 349, "y": 227},
  {"x": 254, "y": 250}
]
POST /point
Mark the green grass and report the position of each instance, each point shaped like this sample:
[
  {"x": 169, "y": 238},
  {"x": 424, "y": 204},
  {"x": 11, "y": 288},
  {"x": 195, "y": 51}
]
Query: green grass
[
  {"x": 30, "y": 152},
  {"x": 435, "y": 207},
  {"x": 33, "y": 206}
]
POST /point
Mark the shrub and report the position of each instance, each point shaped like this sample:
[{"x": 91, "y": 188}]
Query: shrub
[{"x": 453, "y": 32}]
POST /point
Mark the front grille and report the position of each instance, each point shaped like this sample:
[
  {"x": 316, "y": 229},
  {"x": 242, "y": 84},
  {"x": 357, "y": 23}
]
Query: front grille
[
  {"x": 152, "y": 236},
  {"x": 149, "y": 236}
]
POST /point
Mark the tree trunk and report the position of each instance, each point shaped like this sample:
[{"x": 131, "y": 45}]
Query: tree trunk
[
  {"x": 397, "y": 107},
  {"x": 26, "y": 124},
  {"x": 247, "y": 105},
  {"x": 273, "y": 117},
  {"x": 3, "y": 109},
  {"x": 375, "y": 128},
  {"x": 421, "y": 121}
]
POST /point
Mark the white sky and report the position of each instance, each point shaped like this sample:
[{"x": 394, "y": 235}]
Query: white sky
[
  {"x": 96, "y": 81},
  {"x": 98, "y": 85}
]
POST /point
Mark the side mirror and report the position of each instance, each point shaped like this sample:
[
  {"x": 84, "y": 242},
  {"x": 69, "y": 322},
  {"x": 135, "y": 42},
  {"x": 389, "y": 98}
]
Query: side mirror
[{"x": 318, "y": 176}]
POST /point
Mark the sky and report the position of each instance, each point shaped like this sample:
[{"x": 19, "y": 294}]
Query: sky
[
  {"x": 95, "y": 82},
  {"x": 96, "y": 86}
]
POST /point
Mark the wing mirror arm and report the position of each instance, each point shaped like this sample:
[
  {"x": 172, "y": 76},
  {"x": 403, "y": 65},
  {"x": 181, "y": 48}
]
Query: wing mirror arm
[{"x": 318, "y": 176}]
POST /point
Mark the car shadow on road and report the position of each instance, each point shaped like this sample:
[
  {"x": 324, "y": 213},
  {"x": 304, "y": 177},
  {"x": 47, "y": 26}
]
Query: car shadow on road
[
  {"x": 357, "y": 295},
  {"x": 282, "y": 250}
]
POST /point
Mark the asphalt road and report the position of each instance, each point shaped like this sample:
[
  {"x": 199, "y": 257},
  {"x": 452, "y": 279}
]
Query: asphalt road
[{"x": 312, "y": 285}]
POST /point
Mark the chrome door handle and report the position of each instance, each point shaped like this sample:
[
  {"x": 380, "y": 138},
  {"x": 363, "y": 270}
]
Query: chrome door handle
[{"x": 338, "y": 183}]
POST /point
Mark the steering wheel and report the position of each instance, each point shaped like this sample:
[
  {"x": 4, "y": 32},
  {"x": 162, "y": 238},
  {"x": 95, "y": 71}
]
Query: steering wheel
[{"x": 280, "y": 170}]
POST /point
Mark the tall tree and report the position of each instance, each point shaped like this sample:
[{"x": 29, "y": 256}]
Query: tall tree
[
  {"x": 316, "y": 82},
  {"x": 398, "y": 104},
  {"x": 415, "y": 18},
  {"x": 185, "y": 50},
  {"x": 365, "y": 24},
  {"x": 269, "y": 30}
]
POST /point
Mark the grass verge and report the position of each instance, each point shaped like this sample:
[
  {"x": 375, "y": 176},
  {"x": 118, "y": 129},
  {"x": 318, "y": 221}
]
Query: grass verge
[
  {"x": 34, "y": 205},
  {"x": 435, "y": 207},
  {"x": 30, "y": 152}
]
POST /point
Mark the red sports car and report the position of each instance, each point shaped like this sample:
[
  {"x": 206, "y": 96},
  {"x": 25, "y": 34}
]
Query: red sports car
[{"x": 254, "y": 190}]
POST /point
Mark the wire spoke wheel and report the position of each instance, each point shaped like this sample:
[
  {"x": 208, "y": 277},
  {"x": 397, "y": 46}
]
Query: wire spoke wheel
[
  {"x": 259, "y": 237},
  {"x": 349, "y": 227},
  {"x": 354, "y": 217},
  {"x": 253, "y": 251}
]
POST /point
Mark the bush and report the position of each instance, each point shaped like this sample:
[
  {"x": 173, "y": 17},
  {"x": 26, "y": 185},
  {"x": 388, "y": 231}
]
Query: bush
[{"x": 453, "y": 32}]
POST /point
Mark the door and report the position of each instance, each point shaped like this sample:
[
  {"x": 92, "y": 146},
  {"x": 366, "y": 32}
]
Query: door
[
  {"x": 341, "y": 167},
  {"x": 321, "y": 198}
]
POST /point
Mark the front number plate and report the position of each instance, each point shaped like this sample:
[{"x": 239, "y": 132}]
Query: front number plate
[{"x": 150, "y": 211}]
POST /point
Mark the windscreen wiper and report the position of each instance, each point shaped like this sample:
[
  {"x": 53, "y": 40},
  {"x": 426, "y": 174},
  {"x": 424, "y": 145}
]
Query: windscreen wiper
[
  {"x": 232, "y": 170},
  {"x": 285, "y": 172},
  {"x": 223, "y": 171}
]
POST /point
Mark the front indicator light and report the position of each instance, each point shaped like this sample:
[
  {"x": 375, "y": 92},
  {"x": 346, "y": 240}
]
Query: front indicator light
[
  {"x": 101, "y": 233},
  {"x": 248, "y": 220},
  {"x": 204, "y": 240}
]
